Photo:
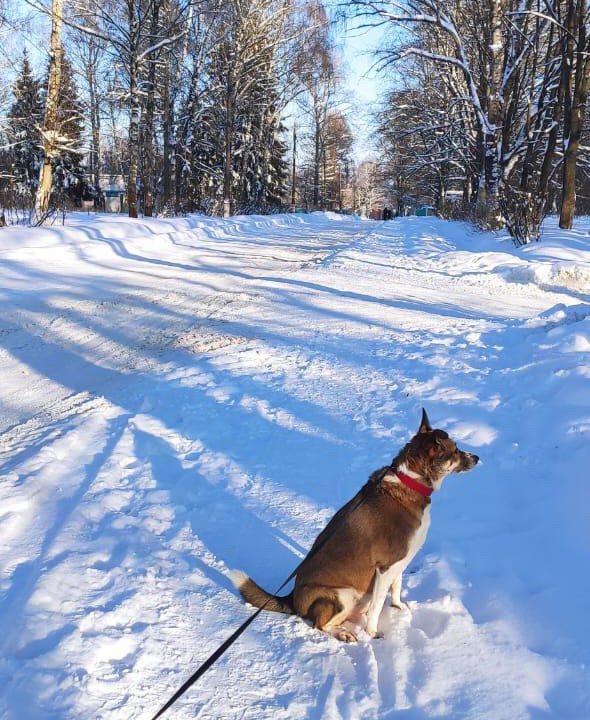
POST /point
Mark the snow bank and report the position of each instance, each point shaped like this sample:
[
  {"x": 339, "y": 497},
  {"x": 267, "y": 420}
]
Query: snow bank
[
  {"x": 572, "y": 275},
  {"x": 560, "y": 260},
  {"x": 560, "y": 315}
]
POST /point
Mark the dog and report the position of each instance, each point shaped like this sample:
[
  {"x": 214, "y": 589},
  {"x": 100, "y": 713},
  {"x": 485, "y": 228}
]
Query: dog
[{"x": 365, "y": 548}]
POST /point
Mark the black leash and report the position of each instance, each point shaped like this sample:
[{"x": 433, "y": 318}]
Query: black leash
[
  {"x": 219, "y": 652},
  {"x": 360, "y": 498}
]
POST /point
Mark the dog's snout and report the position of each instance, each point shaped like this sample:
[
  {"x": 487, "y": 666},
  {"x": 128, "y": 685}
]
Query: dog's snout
[{"x": 468, "y": 461}]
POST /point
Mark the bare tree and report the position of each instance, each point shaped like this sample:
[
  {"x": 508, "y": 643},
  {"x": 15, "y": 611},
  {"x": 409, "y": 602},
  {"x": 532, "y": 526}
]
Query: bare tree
[
  {"x": 90, "y": 52},
  {"x": 321, "y": 82},
  {"x": 50, "y": 131},
  {"x": 490, "y": 88}
]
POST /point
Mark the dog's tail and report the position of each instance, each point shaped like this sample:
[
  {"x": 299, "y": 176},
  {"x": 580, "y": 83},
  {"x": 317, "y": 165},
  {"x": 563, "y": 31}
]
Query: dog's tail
[{"x": 255, "y": 595}]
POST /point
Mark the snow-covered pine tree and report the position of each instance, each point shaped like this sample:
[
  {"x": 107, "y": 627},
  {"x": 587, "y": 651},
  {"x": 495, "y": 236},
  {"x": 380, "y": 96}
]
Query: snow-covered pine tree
[
  {"x": 68, "y": 172},
  {"x": 261, "y": 164},
  {"x": 276, "y": 178},
  {"x": 338, "y": 141},
  {"x": 203, "y": 160},
  {"x": 22, "y": 130},
  {"x": 206, "y": 118},
  {"x": 236, "y": 156}
]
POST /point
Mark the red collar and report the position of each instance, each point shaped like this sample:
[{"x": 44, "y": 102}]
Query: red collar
[{"x": 413, "y": 484}]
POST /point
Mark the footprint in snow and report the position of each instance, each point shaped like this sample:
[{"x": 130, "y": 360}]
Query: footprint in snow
[{"x": 430, "y": 621}]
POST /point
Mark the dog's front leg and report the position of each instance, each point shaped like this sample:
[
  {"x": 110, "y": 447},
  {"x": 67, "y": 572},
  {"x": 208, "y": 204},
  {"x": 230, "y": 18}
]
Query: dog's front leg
[
  {"x": 396, "y": 589},
  {"x": 381, "y": 585}
]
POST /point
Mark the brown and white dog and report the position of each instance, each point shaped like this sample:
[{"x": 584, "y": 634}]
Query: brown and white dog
[{"x": 369, "y": 547}]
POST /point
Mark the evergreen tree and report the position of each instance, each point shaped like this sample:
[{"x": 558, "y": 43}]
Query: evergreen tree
[
  {"x": 277, "y": 178},
  {"x": 23, "y": 122},
  {"x": 68, "y": 173},
  {"x": 203, "y": 167},
  {"x": 262, "y": 167},
  {"x": 274, "y": 170},
  {"x": 239, "y": 102}
]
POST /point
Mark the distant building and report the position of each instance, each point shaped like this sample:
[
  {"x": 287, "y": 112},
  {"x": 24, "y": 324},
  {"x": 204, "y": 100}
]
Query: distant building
[
  {"x": 425, "y": 211},
  {"x": 113, "y": 189}
]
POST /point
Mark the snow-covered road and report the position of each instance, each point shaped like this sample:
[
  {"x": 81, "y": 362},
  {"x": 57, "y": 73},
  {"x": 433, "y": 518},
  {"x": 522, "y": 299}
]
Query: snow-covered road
[{"x": 184, "y": 397}]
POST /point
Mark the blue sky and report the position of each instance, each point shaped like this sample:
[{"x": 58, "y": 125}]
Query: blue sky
[{"x": 363, "y": 84}]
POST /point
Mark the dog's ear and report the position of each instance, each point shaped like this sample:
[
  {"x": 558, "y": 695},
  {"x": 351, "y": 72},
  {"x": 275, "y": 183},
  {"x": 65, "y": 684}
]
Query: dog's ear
[{"x": 425, "y": 423}]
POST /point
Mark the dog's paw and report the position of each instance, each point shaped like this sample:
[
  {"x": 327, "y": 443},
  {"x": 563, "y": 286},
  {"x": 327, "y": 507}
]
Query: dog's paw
[
  {"x": 373, "y": 633},
  {"x": 400, "y": 605},
  {"x": 345, "y": 635}
]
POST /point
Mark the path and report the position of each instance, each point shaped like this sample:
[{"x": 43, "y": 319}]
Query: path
[{"x": 201, "y": 396}]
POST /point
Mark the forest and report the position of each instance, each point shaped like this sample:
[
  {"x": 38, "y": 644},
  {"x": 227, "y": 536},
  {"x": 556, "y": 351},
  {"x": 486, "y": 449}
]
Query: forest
[{"x": 238, "y": 106}]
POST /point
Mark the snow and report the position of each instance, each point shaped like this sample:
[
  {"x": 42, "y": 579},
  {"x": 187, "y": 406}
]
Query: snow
[{"x": 185, "y": 397}]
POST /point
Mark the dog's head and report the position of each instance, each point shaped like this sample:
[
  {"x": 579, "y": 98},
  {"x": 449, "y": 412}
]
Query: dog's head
[{"x": 433, "y": 455}]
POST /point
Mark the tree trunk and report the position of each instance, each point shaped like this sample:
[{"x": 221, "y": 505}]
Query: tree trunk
[
  {"x": 178, "y": 166},
  {"x": 467, "y": 189},
  {"x": 324, "y": 192},
  {"x": 166, "y": 129},
  {"x": 228, "y": 165},
  {"x": 293, "y": 170},
  {"x": 441, "y": 195},
  {"x": 493, "y": 133},
  {"x": 575, "y": 123},
  {"x": 148, "y": 128},
  {"x": 570, "y": 160},
  {"x": 549, "y": 154},
  {"x": 133, "y": 141},
  {"x": 50, "y": 129},
  {"x": 95, "y": 132},
  {"x": 316, "y": 165}
]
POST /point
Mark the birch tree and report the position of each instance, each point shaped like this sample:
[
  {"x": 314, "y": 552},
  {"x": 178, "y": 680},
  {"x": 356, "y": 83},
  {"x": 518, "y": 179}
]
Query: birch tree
[
  {"x": 126, "y": 29},
  {"x": 49, "y": 130}
]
